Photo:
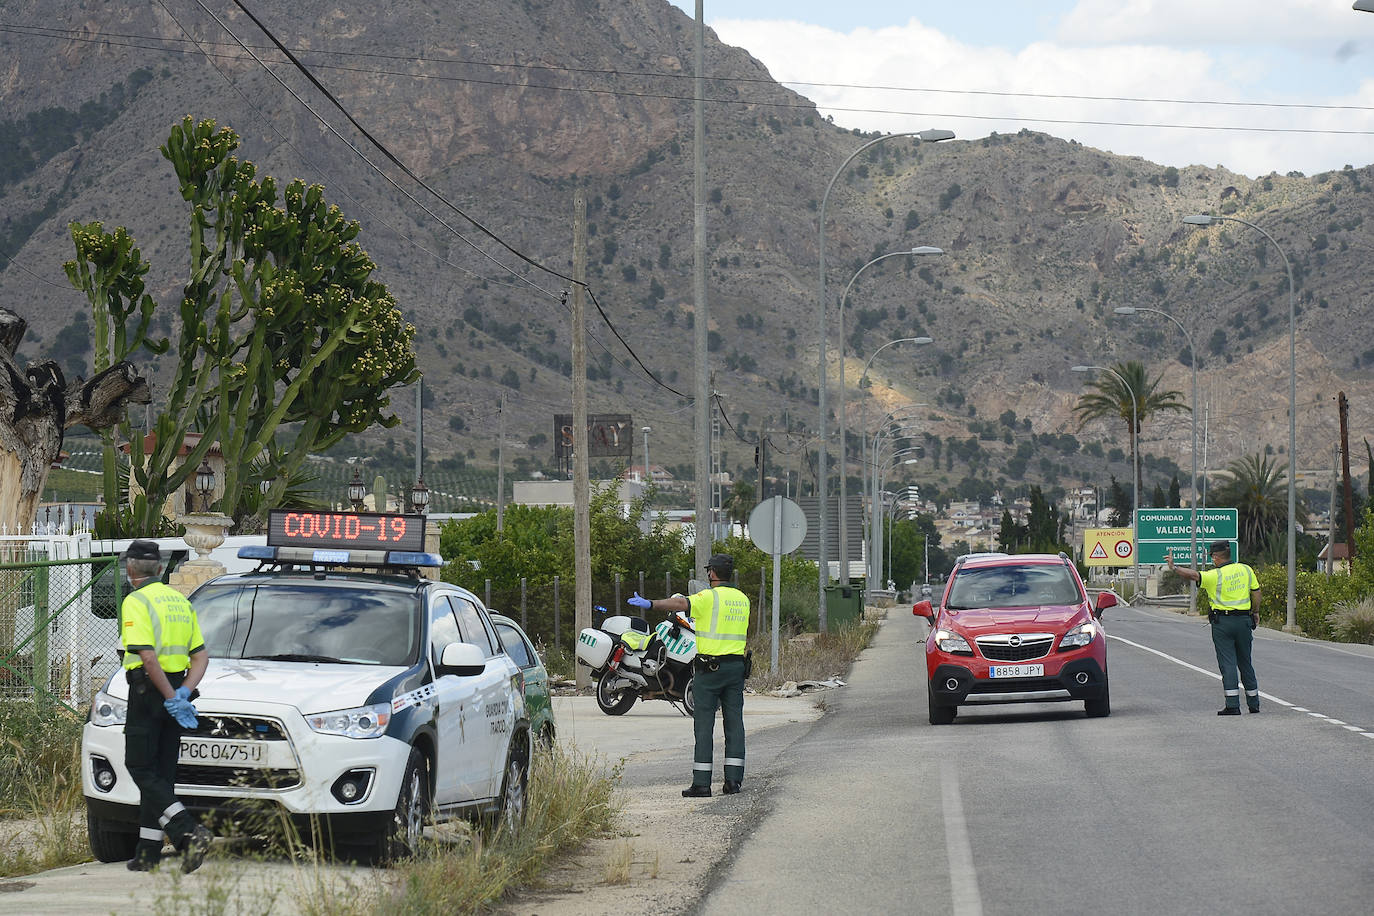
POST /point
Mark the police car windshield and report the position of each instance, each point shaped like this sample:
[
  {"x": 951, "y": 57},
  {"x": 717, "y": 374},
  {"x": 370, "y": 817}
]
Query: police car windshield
[
  {"x": 302, "y": 622},
  {"x": 1012, "y": 586}
]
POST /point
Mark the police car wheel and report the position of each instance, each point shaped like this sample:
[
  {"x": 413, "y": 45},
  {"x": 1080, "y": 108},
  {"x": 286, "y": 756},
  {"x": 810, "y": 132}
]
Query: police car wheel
[
  {"x": 406, "y": 828},
  {"x": 510, "y": 817},
  {"x": 111, "y": 841},
  {"x": 614, "y": 695}
]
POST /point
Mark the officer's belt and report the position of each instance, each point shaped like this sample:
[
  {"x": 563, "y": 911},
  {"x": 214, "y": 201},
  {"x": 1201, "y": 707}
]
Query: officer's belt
[{"x": 1232, "y": 612}]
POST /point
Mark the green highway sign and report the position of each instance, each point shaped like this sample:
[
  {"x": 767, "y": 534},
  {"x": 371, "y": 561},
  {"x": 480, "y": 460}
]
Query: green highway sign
[{"x": 1162, "y": 532}]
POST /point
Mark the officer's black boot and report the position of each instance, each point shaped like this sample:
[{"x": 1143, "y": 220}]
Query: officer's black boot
[
  {"x": 194, "y": 847},
  {"x": 697, "y": 792},
  {"x": 147, "y": 855}
]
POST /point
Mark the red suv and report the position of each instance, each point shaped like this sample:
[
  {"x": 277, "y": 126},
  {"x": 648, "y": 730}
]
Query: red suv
[{"x": 1015, "y": 629}]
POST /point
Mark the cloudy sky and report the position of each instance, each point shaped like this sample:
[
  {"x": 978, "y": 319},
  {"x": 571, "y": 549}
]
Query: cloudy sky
[{"x": 1258, "y": 86}]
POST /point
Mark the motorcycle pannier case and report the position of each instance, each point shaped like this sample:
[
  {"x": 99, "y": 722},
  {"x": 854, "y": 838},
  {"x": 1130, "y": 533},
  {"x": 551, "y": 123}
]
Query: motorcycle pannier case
[{"x": 594, "y": 647}]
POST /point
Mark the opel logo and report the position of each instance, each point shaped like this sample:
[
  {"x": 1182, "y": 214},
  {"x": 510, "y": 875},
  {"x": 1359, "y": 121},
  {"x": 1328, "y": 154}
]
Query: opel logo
[{"x": 1014, "y": 641}]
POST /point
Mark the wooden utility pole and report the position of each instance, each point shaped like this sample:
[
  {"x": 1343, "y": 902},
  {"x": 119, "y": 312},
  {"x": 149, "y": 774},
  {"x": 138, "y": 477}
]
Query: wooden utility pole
[
  {"x": 701, "y": 318},
  {"x": 1344, "y": 406},
  {"x": 501, "y": 467},
  {"x": 582, "y": 521}
]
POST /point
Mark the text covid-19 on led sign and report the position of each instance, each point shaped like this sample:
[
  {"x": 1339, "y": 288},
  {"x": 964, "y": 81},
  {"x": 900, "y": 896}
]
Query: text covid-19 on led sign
[{"x": 357, "y": 530}]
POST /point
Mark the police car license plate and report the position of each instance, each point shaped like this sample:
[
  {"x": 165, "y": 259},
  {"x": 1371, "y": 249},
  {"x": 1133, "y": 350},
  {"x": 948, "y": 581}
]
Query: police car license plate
[
  {"x": 196, "y": 751},
  {"x": 1016, "y": 671}
]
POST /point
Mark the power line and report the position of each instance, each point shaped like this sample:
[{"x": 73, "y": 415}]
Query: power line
[
  {"x": 385, "y": 151},
  {"x": 809, "y": 105},
  {"x": 75, "y": 35}
]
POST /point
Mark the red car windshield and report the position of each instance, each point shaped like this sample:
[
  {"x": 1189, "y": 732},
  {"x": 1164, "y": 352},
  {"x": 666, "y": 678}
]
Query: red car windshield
[{"x": 1013, "y": 586}]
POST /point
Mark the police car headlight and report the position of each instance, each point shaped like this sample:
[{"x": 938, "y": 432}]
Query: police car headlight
[
  {"x": 1079, "y": 636},
  {"x": 362, "y": 722},
  {"x": 107, "y": 710},
  {"x": 952, "y": 642}
]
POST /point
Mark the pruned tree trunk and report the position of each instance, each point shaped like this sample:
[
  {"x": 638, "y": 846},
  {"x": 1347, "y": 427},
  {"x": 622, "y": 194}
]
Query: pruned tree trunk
[{"x": 37, "y": 407}]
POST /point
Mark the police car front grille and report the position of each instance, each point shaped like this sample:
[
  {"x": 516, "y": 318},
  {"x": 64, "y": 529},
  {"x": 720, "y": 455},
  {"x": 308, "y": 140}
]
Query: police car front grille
[
  {"x": 1000, "y": 648},
  {"x": 213, "y": 725},
  {"x": 238, "y": 777}
]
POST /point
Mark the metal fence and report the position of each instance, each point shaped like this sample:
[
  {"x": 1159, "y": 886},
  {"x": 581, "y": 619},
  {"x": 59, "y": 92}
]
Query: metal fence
[{"x": 58, "y": 618}]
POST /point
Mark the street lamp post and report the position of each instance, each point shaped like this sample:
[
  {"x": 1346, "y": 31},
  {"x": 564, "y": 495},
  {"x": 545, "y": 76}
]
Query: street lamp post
[
  {"x": 870, "y": 468},
  {"x": 926, "y": 136},
  {"x": 1192, "y": 410},
  {"x": 863, "y": 438},
  {"x": 880, "y": 466},
  {"x": 919, "y": 251},
  {"x": 1135, "y": 464},
  {"x": 903, "y": 457},
  {"x": 1290, "y": 619}
]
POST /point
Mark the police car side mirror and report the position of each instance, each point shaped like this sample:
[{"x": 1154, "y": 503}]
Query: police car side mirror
[{"x": 462, "y": 659}]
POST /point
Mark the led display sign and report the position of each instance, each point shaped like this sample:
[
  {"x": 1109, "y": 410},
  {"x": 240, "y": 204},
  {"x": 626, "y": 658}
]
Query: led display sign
[{"x": 344, "y": 530}]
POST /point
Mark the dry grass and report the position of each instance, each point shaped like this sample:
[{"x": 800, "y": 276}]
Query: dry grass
[
  {"x": 570, "y": 801},
  {"x": 40, "y": 763},
  {"x": 1353, "y": 621},
  {"x": 809, "y": 656}
]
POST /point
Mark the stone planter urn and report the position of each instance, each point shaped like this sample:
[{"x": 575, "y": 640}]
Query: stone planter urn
[{"x": 204, "y": 531}]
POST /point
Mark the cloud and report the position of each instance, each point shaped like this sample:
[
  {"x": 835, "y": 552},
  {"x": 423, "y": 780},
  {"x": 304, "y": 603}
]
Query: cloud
[
  {"x": 1292, "y": 23},
  {"x": 974, "y": 90}
]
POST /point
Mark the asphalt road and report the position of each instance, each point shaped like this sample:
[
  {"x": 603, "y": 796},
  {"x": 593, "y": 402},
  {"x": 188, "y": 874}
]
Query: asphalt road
[{"x": 1161, "y": 808}]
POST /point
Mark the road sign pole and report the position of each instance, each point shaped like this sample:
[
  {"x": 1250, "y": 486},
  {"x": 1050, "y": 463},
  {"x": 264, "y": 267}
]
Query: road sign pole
[{"x": 777, "y": 574}]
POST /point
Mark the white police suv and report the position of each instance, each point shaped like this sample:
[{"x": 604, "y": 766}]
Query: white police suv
[{"x": 346, "y": 695}]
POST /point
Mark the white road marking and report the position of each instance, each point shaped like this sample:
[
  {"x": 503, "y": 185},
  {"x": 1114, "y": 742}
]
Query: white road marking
[
  {"x": 963, "y": 877},
  {"x": 1273, "y": 699}
]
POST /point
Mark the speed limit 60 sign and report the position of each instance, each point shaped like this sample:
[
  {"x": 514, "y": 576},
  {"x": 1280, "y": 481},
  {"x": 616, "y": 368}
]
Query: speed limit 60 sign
[{"x": 1108, "y": 547}]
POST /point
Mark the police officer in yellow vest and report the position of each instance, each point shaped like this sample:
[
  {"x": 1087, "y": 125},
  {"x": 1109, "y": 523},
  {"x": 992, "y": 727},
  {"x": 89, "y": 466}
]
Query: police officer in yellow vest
[
  {"x": 164, "y": 660},
  {"x": 1234, "y": 593},
  {"x": 720, "y": 616}
]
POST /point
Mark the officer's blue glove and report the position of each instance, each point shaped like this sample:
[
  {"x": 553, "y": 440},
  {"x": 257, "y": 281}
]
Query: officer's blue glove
[
  {"x": 182, "y": 711},
  {"x": 642, "y": 603},
  {"x": 184, "y": 693}
]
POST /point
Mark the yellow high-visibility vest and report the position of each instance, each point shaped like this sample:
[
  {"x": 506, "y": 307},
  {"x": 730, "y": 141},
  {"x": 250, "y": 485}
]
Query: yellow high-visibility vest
[
  {"x": 1228, "y": 587},
  {"x": 159, "y": 617},
  {"x": 720, "y": 616}
]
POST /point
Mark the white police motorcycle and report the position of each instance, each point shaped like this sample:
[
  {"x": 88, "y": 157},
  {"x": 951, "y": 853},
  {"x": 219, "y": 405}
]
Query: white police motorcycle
[{"x": 631, "y": 662}]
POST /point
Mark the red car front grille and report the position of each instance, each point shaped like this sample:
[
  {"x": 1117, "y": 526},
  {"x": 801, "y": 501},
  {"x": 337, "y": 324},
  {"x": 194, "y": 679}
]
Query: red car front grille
[{"x": 1001, "y": 648}]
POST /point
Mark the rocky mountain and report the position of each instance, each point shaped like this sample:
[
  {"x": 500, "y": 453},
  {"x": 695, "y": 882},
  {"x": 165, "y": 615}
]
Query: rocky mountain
[{"x": 505, "y": 108}]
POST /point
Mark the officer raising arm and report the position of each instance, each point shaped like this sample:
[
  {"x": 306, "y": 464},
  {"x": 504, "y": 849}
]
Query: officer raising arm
[
  {"x": 1234, "y": 593},
  {"x": 720, "y": 616},
  {"x": 164, "y": 660}
]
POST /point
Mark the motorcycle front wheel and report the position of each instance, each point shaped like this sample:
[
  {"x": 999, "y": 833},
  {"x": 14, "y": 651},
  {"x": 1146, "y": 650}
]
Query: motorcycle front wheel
[
  {"x": 615, "y": 695},
  {"x": 689, "y": 697}
]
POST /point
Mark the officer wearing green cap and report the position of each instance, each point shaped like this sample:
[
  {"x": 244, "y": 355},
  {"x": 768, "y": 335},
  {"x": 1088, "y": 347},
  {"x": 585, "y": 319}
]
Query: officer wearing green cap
[
  {"x": 720, "y": 616},
  {"x": 1234, "y": 593}
]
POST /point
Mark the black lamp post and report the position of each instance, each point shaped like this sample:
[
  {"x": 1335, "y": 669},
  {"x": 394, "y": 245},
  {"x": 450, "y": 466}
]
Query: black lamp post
[
  {"x": 419, "y": 496},
  {"x": 356, "y": 490}
]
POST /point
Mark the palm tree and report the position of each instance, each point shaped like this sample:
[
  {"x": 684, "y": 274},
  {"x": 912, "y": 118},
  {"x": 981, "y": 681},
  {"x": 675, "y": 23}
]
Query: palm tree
[
  {"x": 1258, "y": 489},
  {"x": 1111, "y": 398}
]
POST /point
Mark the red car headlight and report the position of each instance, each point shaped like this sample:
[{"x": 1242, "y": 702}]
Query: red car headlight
[
  {"x": 1079, "y": 636},
  {"x": 952, "y": 643}
]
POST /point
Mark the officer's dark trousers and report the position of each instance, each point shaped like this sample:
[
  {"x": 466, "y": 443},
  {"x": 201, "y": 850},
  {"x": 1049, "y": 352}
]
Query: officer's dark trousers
[
  {"x": 723, "y": 687},
  {"x": 152, "y": 743},
  {"x": 1232, "y": 639}
]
